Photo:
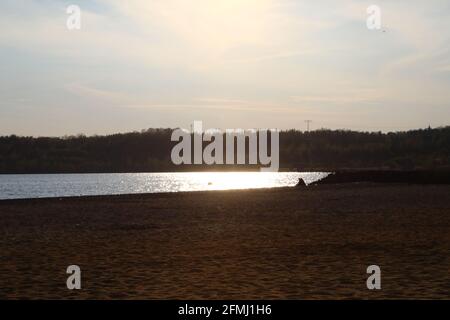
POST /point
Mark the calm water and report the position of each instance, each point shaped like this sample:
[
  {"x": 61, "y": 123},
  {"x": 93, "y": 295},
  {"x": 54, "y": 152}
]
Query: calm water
[{"x": 62, "y": 185}]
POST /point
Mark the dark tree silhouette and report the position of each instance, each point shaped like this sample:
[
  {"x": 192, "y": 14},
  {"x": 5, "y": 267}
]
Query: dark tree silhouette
[{"x": 149, "y": 151}]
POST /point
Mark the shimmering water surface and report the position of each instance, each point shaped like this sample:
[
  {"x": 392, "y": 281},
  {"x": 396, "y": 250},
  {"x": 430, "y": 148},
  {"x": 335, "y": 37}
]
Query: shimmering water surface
[{"x": 63, "y": 185}]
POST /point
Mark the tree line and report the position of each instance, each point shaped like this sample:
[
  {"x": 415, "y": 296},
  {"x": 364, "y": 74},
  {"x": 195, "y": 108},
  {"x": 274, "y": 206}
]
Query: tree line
[{"x": 149, "y": 151}]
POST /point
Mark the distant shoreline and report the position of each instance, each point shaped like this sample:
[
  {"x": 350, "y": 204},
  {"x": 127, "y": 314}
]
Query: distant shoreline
[
  {"x": 388, "y": 176},
  {"x": 150, "y": 151}
]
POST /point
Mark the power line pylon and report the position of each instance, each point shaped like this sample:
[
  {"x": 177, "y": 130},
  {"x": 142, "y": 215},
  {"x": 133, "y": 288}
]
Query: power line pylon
[{"x": 308, "y": 122}]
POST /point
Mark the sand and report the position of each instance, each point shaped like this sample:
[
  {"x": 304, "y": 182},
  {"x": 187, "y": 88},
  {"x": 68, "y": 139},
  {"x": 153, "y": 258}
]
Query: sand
[{"x": 306, "y": 243}]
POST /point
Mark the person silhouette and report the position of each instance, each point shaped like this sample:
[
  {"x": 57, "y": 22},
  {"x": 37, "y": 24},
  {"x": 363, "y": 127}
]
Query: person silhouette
[{"x": 300, "y": 183}]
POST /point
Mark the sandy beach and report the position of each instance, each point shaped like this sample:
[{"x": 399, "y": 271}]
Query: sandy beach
[{"x": 306, "y": 243}]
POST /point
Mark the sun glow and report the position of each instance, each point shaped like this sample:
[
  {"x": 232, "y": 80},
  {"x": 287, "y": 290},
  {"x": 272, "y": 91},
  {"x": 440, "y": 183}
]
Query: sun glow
[
  {"x": 245, "y": 180},
  {"x": 204, "y": 24},
  {"x": 238, "y": 180}
]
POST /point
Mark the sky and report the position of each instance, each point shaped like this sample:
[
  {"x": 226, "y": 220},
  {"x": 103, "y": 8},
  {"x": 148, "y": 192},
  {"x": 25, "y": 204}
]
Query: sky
[{"x": 229, "y": 63}]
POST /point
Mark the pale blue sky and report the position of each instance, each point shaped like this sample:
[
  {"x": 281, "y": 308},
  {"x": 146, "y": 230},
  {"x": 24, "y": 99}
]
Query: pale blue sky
[{"x": 230, "y": 63}]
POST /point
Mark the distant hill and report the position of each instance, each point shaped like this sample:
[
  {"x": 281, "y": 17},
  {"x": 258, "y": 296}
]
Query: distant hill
[{"x": 149, "y": 151}]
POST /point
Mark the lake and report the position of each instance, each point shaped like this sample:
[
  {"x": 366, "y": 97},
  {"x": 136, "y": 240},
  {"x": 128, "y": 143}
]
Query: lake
[{"x": 22, "y": 186}]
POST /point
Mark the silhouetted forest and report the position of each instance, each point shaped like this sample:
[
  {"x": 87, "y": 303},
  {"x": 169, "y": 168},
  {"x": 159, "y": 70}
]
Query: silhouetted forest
[{"x": 149, "y": 151}]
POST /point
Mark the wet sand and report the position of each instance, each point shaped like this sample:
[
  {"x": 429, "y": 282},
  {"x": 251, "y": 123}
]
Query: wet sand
[{"x": 306, "y": 243}]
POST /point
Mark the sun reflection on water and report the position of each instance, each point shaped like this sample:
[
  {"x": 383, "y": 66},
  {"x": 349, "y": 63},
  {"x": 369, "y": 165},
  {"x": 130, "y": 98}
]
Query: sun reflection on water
[
  {"x": 61, "y": 185},
  {"x": 245, "y": 180}
]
